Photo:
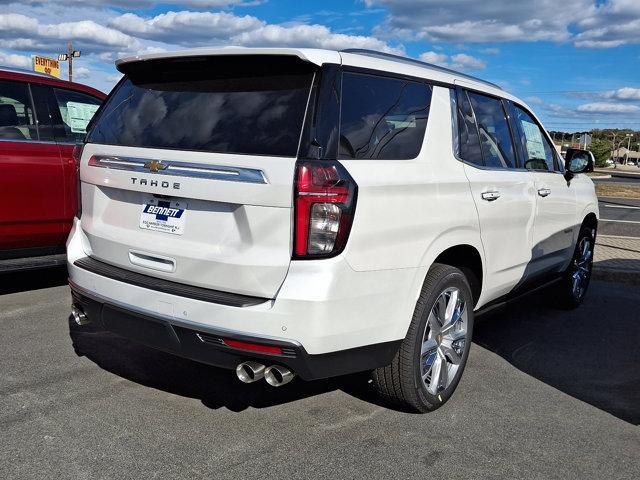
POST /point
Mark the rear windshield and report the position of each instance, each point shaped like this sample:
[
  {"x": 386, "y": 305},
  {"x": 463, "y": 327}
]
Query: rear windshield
[{"x": 228, "y": 104}]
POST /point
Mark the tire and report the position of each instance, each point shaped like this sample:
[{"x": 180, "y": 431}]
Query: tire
[
  {"x": 401, "y": 383},
  {"x": 569, "y": 295}
]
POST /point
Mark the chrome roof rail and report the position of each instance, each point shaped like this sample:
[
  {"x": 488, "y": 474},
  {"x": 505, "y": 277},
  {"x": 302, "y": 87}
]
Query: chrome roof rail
[{"x": 411, "y": 61}]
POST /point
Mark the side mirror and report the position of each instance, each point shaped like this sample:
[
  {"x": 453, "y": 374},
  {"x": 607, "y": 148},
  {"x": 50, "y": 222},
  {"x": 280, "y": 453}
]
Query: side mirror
[{"x": 578, "y": 161}]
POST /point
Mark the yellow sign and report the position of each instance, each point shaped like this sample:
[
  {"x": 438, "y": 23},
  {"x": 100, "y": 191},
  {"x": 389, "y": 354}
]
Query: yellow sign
[{"x": 46, "y": 65}]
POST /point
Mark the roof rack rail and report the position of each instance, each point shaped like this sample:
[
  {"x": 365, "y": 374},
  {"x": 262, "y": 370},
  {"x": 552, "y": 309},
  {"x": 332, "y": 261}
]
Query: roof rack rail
[{"x": 411, "y": 61}]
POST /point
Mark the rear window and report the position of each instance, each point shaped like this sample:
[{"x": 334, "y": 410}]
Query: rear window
[
  {"x": 382, "y": 117},
  {"x": 228, "y": 104}
]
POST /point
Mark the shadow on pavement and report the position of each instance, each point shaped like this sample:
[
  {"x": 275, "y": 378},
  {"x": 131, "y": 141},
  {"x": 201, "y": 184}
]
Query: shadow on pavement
[
  {"x": 215, "y": 387},
  {"x": 15, "y": 282},
  {"x": 590, "y": 353}
]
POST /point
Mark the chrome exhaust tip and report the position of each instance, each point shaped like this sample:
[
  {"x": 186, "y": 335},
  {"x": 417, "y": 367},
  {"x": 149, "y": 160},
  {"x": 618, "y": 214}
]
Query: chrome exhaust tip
[
  {"x": 79, "y": 316},
  {"x": 249, "y": 372},
  {"x": 276, "y": 376}
]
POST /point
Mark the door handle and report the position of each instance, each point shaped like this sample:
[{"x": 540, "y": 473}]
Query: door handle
[
  {"x": 490, "y": 196},
  {"x": 544, "y": 192}
]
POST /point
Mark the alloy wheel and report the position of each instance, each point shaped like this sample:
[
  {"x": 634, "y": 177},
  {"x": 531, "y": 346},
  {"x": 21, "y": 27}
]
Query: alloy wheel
[
  {"x": 581, "y": 267},
  {"x": 443, "y": 342}
]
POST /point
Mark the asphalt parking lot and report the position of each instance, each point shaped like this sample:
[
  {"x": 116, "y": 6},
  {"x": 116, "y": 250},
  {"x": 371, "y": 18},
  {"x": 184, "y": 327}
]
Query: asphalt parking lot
[{"x": 547, "y": 394}]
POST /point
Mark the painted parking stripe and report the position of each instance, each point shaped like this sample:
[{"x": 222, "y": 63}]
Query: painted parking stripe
[
  {"x": 619, "y": 221},
  {"x": 621, "y": 206}
]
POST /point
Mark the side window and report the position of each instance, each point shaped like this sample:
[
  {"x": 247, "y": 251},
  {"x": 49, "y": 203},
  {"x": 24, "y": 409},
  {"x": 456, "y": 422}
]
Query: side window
[
  {"x": 382, "y": 117},
  {"x": 493, "y": 128},
  {"x": 468, "y": 131},
  {"x": 75, "y": 110},
  {"x": 538, "y": 152},
  {"x": 17, "y": 119}
]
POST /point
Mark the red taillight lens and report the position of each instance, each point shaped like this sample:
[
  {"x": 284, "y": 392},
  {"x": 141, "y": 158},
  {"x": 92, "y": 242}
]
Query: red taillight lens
[
  {"x": 77, "y": 155},
  {"x": 325, "y": 202}
]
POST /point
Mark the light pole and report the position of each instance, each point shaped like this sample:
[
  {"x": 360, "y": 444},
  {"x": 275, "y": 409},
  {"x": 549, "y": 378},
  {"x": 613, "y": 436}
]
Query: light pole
[{"x": 69, "y": 56}]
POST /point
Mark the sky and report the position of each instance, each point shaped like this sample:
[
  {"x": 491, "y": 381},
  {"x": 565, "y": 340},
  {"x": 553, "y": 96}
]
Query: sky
[{"x": 576, "y": 62}]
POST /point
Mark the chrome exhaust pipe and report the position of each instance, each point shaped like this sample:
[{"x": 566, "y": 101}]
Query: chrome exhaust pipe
[
  {"x": 276, "y": 376},
  {"x": 249, "y": 372},
  {"x": 79, "y": 316}
]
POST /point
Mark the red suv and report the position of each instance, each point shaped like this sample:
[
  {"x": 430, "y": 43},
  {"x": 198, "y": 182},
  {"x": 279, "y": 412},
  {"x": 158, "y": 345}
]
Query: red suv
[{"x": 41, "y": 119}]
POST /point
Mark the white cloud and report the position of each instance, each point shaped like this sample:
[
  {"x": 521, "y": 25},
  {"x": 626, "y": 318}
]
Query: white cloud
[
  {"x": 533, "y": 100},
  {"x": 460, "y": 61},
  {"x": 13, "y": 60},
  {"x": 490, "y": 51},
  {"x": 603, "y": 107},
  {"x": 467, "y": 61},
  {"x": 474, "y": 21},
  {"x": 186, "y": 28},
  {"x": 588, "y": 23},
  {"x": 310, "y": 36},
  {"x": 23, "y": 32},
  {"x": 81, "y": 72}
]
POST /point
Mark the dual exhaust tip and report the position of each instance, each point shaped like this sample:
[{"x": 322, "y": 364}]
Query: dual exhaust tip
[
  {"x": 275, "y": 375},
  {"x": 79, "y": 316}
]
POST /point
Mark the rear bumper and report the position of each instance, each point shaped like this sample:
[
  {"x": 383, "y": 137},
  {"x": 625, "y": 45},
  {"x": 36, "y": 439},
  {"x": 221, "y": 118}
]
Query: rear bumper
[{"x": 207, "y": 345}]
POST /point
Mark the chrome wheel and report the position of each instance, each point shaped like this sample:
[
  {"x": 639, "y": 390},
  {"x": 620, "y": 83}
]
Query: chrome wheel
[
  {"x": 443, "y": 341},
  {"x": 581, "y": 267}
]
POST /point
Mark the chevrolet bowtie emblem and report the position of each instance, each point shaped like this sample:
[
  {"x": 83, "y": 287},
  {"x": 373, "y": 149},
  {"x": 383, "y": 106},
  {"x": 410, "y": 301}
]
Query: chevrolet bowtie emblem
[{"x": 155, "y": 166}]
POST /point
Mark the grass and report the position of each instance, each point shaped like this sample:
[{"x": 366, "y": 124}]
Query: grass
[{"x": 620, "y": 191}]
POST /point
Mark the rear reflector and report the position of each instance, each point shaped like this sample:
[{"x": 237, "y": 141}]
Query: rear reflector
[{"x": 252, "y": 347}]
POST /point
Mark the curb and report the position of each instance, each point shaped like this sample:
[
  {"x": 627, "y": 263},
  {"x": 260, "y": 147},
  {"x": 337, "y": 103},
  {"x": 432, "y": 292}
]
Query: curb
[
  {"x": 627, "y": 277},
  {"x": 600, "y": 177}
]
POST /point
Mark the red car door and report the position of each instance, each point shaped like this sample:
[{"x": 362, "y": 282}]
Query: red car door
[
  {"x": 32, "y": 192},
  {"x": 69, "y": 113}
]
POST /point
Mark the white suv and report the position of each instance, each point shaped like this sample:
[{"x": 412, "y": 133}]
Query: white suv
[{"x": 308, "y": 212}]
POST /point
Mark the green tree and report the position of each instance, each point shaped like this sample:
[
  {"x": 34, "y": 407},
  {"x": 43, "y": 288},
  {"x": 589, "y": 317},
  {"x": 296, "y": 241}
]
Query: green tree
[{"x": 601, "y": 149}]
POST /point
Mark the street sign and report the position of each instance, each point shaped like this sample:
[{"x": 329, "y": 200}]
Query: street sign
[{"x": 46, "y": 65}]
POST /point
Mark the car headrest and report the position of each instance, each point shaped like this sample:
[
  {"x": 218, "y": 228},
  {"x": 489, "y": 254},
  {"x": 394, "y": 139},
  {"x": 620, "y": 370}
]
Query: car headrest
[{"x": 8, "y": 115}]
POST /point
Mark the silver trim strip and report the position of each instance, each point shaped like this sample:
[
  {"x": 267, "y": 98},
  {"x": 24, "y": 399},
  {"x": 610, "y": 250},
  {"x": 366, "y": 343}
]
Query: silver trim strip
[{"x": 181, "y": 169}]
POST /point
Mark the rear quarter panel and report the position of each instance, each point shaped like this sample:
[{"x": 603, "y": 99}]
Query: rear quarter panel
[{"x": 410, "y": 211}]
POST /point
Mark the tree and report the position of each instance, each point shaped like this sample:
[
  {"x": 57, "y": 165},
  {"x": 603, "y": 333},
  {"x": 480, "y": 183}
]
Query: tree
[{"x": 601, "y": 149}]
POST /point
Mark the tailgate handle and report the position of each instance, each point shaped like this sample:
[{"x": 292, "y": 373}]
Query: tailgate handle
[{"x": 154, "y": 262}]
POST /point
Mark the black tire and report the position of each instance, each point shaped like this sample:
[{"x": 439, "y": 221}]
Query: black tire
[
  {"x": 568, "y": 296},
  {"x": 401, "y": 383}
]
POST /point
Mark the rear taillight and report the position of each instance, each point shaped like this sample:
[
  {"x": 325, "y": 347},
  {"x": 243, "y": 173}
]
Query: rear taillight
[
  {"x": 325, "y": 200},
  {"x": 77, "y": 155}
]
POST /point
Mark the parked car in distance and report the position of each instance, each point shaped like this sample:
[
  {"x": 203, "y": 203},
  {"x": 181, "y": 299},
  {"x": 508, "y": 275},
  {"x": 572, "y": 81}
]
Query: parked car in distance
[
  {"x": 305, "y": 212},
  {"x": 41, "y": 120}
]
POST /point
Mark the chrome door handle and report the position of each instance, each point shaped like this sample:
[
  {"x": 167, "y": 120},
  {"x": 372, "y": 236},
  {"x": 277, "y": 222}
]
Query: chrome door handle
[
  {"x": 544, "y": 192},
  {"x": 490, "y": 196}
]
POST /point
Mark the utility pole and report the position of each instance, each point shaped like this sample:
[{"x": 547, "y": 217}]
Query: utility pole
[{"x": 69, "y": 56}]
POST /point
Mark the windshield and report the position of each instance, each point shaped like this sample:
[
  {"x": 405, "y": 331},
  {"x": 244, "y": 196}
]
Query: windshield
[{"x": 229, "y": 104}]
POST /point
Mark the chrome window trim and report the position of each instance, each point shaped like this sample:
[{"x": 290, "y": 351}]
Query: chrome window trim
[{"x": 181, "y": 169}]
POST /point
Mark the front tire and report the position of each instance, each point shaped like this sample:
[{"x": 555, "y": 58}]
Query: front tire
[
  {"x": 577, "y": 277},
  {"x": 429, "y": 364}
]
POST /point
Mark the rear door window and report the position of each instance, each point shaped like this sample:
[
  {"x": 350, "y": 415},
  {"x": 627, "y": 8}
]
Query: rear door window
[
  {"x": 17, "y": 118},
  {"x": 382, "y": 117},
  {"x": 229, "y": 104},
  {"x": 494, "y": 132},
  {"x": 75, "y": 111}
]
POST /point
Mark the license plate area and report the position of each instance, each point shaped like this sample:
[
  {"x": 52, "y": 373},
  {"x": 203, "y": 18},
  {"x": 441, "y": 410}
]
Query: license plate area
[{"x": 161, "y": 215}]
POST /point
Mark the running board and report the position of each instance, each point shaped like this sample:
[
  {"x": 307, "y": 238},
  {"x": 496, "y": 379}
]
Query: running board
[{"x": 510, "y": 298}]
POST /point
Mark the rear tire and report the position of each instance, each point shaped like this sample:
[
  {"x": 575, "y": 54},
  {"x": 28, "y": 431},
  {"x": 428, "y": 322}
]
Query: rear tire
[
  {"x": 576, "y": 278},
  {"x": 429, "y": 364}
]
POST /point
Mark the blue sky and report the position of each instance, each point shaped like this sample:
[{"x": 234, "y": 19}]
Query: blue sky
[{"x": 576, "y": 62}]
